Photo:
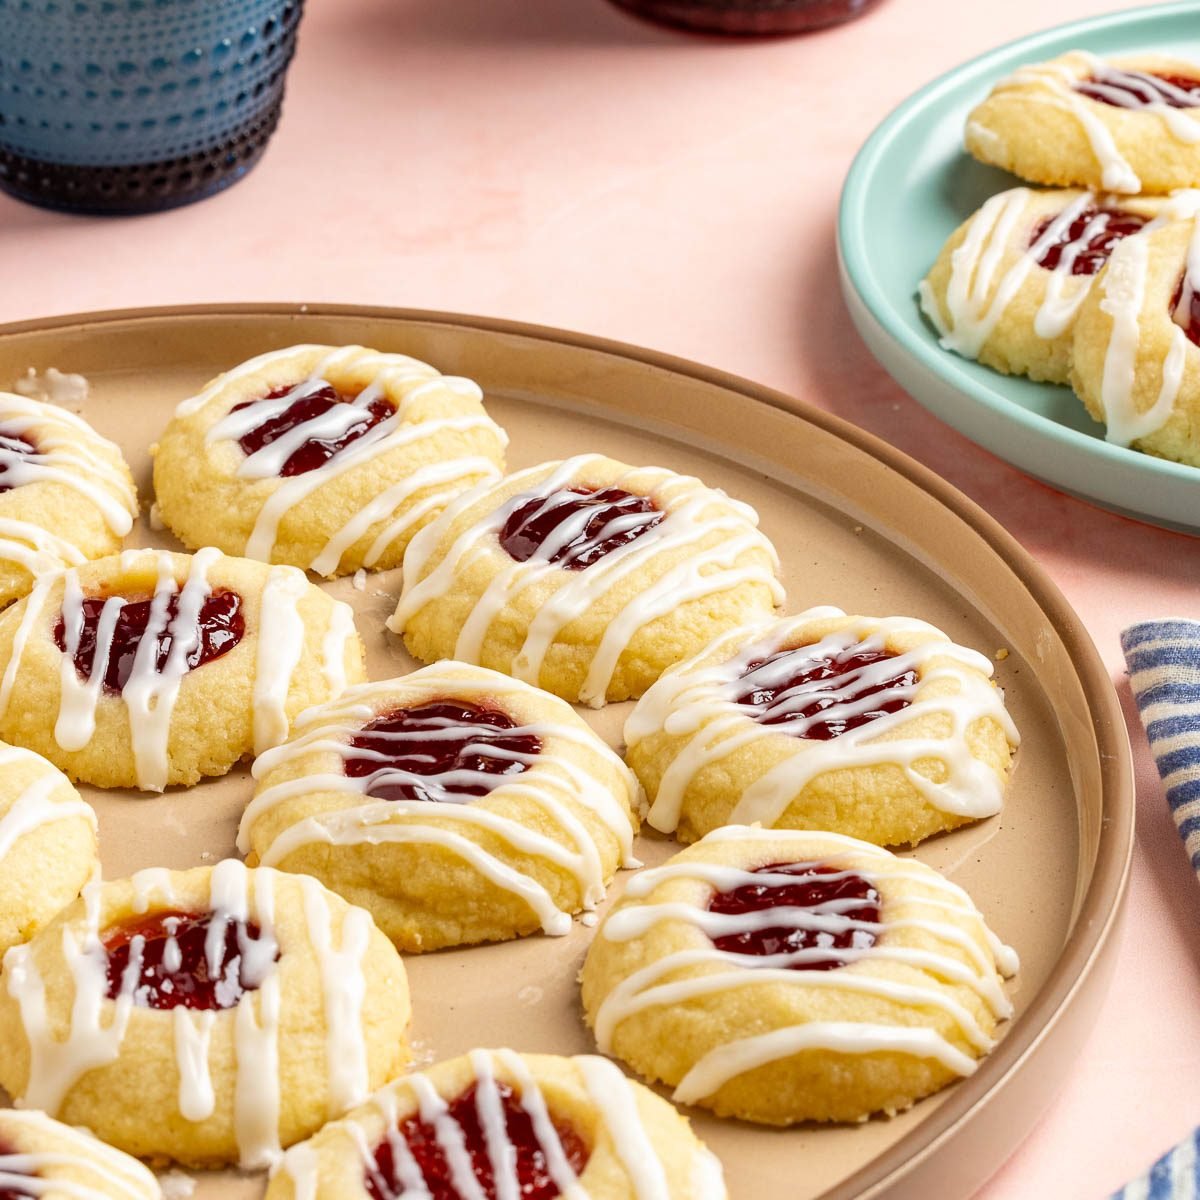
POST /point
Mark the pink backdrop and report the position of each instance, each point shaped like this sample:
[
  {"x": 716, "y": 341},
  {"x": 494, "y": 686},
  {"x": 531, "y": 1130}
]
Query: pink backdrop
[{"x": 555, "y": 161}]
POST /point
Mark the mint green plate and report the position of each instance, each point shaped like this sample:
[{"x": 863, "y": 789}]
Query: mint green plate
[{"x": 910, "y": 186}]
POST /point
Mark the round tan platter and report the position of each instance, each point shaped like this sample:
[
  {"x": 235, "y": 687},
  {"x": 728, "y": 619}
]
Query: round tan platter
[{"x": 857, "y": 524}]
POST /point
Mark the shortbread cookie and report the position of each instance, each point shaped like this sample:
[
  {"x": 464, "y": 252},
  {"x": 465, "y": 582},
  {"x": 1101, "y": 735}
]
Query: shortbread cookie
[
  {"x": 456, "y": 804},
  {"x": 1137, "y": 344},
  {"x": 325, "y": 458},
  {"x": 207, "y": 1016},
  {"x": 151, "y": 668},
  {"x": 1129, "y": 124},
  {"x": 1008, "y": 285},
  {"x": 585, "y": 577},
  {"x": 795, "y": 976},
  {"x": 880, "y": 728},
  {"x": 42, "y": 1157},
  {"x": 66, "y": 494},
  {"x": 47, "y": 844},
  {"x": 495, "y": 1124}
]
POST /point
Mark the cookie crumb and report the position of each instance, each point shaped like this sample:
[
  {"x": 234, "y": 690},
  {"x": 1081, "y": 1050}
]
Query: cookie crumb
[
  {"x": 53, "y": 387},
  {"x": 176, "y": 1185},
  {"x": 1001, "y": 654}
]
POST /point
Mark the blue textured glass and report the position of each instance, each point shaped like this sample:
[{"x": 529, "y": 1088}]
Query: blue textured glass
[{"x": 99, "y": 84}]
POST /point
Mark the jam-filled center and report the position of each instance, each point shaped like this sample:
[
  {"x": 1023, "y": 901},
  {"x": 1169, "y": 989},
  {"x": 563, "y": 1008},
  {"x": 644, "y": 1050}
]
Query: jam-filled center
[
  {"x": 577, "y": 526},
  {"x": 448, "y": 750},
  {"x": 15, "y": 450},
  {"x": 13, "y": 1166},
  {"x": 414, "y": 1148},
  {"x": 308, "y": 424},
  {"x": 1140, "y": 89},
  {"x": 205, "y": 961},
  {"x": 841, "y": 912},
  {"x": 820, "y": 698},
  {"x": 1186, "y": 312},
  {"x": 109, "y": 646},
  {"x": 1085, "y": 245}
]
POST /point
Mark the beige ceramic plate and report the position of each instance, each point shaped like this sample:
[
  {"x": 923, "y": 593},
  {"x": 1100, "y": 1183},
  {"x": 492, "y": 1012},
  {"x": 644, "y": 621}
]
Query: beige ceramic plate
[{"x": 857, "y": 525}]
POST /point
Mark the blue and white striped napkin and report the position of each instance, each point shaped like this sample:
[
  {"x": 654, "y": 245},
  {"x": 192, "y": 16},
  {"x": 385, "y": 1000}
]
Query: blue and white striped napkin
[{"x": 1164, "y": 672}]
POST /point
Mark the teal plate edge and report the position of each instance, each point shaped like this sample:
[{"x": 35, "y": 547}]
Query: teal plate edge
[{"x": 908, "y": 188}]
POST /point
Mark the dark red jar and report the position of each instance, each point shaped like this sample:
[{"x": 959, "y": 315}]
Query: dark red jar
[{"x": 748, "y": 18}]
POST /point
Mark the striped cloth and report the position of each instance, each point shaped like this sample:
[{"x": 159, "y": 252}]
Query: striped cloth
[{"x": 1164, "y": 672}]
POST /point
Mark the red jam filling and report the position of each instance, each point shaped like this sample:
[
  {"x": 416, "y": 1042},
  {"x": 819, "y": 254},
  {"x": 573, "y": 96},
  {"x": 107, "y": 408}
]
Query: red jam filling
[
  {"x": 15, "y": 448},
  {"x": 11, "y": 1190},
  {"x": 447, "y": 745},
  {"x": 596, "y": 522},
  {"x": 1139, "y": 89},
  {"x": 1188, "y": 321},
  {"x": 842, "y": 894},
  {"x": 220, "y": 627},
  {"x": 174, "y": 963},
  {"x": 307, "y": 406},
  {"x": 529, "y": 1160},
  {"x": 779, "y": 693},
  {"x": 1091, "y": 251}
]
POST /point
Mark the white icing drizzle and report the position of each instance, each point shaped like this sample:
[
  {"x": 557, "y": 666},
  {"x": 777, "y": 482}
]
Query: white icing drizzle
[
  {"x": 692, "y": 513},
  {"x": 343, "y": 991},
  {"x": 403, "y": 382},
  {"x": 608, "y": 1091},
  {"x": 706, "y": 970},
  {"x": 113, "y": 1174},
  {"x": 149, "y": 693},
  {"x": 549, "y": 781},
  {"x": 193, "y": 1033},
  {"x": 1123, "y": 299},
  {"x": 97, "y": 1025},
  {"x": 613, "y": 1095},
  {"x": 1053, "y": 85},
  {"x": 61, "y": 458},
  {"x": 35, "y": 805},
  {"x": 698, "y": 702},
  {"x": 280, "y": 648},
  {"x": 35, "y": 549},
  {"x": 339, "y": 638}
]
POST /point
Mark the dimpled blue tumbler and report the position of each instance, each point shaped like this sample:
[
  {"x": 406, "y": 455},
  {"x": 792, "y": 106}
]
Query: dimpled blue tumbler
[{"x": 132, "y": 106}]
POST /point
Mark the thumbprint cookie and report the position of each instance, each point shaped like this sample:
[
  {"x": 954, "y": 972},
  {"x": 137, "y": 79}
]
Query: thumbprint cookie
[
  {"x": 585, "y": 577},
  {"x": 66, "y": 494},
  {"x": 207, "y": 1016},
  {"x": 149, "y": 668},
  {"x": 784, "y": 976},
  {"x": 497, "y": 1125},
  {"x": 1128, "y": 125},
  {"x": 42, "y": 1157},
  {"x": 1008, "y": 285},
  {"x": 876, "y": 727},
  {"x": 327, "y": 458},
  {"x": 47, "y": 844},
  {"x": 455, "y": 804},
  {"x": 1137, "y": 345}
]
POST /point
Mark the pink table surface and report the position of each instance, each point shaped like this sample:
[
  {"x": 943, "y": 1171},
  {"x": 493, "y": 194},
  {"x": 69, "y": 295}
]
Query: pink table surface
[{"x": 555, "y": 161}]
